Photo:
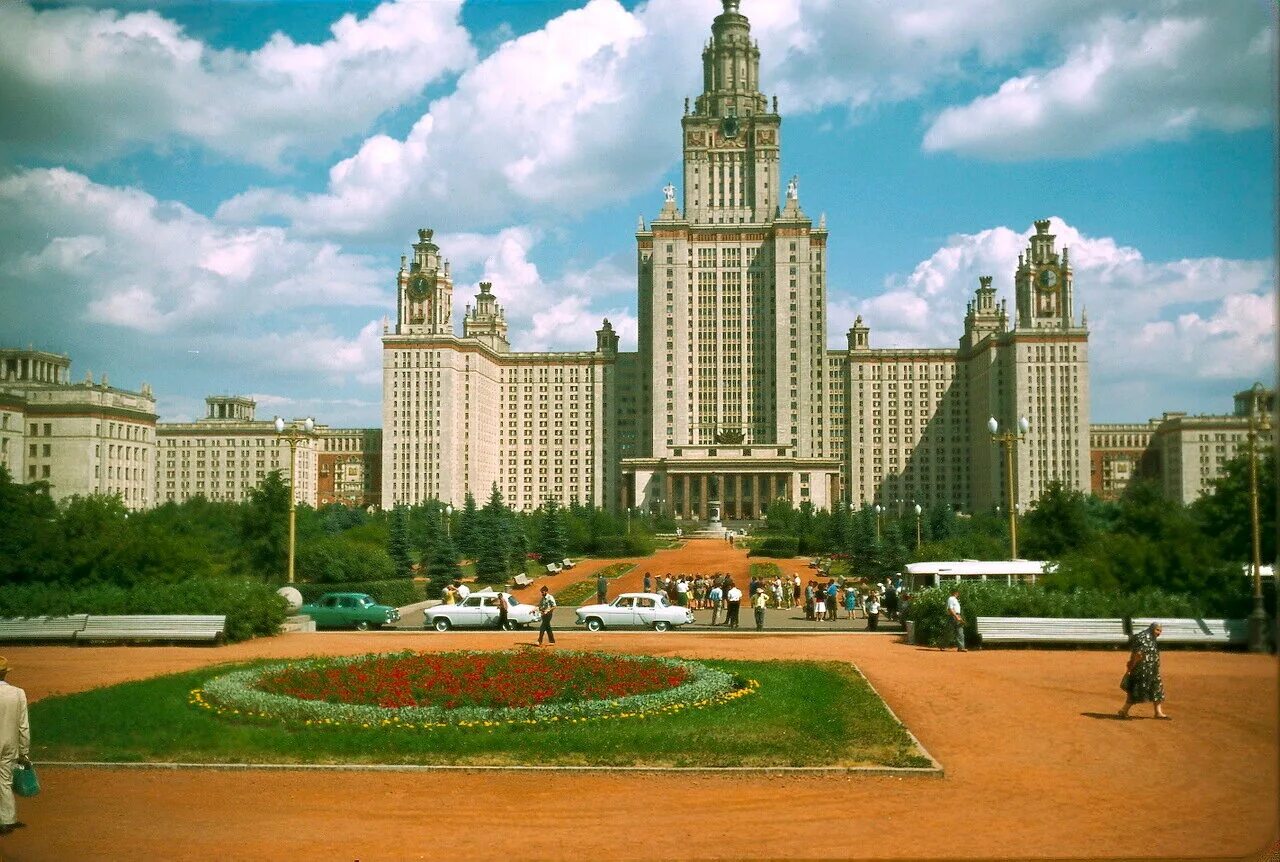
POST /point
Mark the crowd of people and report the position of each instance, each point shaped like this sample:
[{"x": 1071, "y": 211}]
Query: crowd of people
[{"x": 821, "y": 600}]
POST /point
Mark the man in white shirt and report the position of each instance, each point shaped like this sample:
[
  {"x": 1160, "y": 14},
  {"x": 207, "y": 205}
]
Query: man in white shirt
[
  {"x": 735, "y": 605},
  {"x": 956, "y": 620},
  {"x": 547, "y": 605},
  {"x": 15, "y": 745}
]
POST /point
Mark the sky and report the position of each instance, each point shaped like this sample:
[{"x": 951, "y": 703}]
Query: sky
[{"x": 213, "y": 197}]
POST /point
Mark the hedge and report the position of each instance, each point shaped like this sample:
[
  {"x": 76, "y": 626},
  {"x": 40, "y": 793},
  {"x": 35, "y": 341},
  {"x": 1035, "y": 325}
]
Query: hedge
[
  {"x": 928, "y": 609},
  {"x": 781, "y": 547},
  {"x": 396, "y": 593},
  {"x": 252, "y": 608},
  {"x": 635, "y": 545}
]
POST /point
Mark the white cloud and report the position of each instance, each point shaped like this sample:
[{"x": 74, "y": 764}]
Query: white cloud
[
  {"x": 129, "y": 260},
  {"x": 1153, "y": 325},
  {"x": 556, "y": 121},
  {"x": 562, "y": 313},
  {"x": 1127, "y": 80},
  {"x": 86, "y": 86}
]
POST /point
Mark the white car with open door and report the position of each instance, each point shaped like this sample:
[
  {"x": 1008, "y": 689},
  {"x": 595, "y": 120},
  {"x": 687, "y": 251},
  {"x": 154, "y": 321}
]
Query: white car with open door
[
  {"x": 480, "y": 610},
  {"x": 651, "y": 610}
]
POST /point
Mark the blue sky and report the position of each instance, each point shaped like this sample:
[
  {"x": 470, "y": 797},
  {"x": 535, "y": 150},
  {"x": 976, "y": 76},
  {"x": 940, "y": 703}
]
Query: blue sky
[{"x": 213, "y": 197}]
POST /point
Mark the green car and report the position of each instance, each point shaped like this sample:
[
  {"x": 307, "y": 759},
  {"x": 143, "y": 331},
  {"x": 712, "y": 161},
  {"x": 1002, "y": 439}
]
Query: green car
[{"x": 349, "y": 610}]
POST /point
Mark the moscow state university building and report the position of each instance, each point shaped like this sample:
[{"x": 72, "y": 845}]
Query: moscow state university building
[{"x": 733, "y": 397}]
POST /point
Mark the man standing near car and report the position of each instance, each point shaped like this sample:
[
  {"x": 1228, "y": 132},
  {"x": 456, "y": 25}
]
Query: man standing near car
[
  {"x": 15, "y": 746},
  {"x": 735, "y": 605},
  {"x": 602, "y": 589},
  {"x": 547, "y": 606}
]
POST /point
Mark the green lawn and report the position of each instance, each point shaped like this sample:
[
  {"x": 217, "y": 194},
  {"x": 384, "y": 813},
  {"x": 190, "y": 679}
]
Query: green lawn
[{"x": 804, "y": 714}]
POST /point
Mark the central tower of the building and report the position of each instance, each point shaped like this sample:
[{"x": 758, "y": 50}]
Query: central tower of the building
[
  {"x": 731, "y": 138},
  {"x": 732, "y": 299}
]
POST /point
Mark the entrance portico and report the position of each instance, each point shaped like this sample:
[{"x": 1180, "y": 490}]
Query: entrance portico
[{"x": 742, "y": 480}]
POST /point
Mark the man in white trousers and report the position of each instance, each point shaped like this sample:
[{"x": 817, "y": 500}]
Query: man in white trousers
[{"x": 15, "y": 745}]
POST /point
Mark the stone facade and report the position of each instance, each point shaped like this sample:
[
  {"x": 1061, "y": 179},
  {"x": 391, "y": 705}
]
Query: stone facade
[
  {"x": 463, "y": 413},
  {"x": 81, "y": 438},
  {"x": 229, "y": 452},
  {"x": 1118, "y": 453},
  {"x": 733, "y": 398},
  {"x": 349, "y": 466}
]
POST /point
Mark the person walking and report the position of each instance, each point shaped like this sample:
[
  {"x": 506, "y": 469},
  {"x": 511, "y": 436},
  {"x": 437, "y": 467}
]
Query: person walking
[
  {"x": 503, "y": 622},
  {"x": 891, "y": 604},
  {"x": 15, "y": 746},
  {"x": 955, "y": 619},
  {"x": 717, "y": 596},
  {"x": 850, "y": 601},
  {"x": 547, "y": 605},
  {"x": 734, "y": 597},
  {"x": 602, "y": 589},
  {"x": 1142, "y": 682},
  {"x": 648, "y": 583},
  {"x": 795, "y": 589},
  {"x": 759, "y": 603},
  {"x": 832, "y": 589},
  {"x": 873, "y": 613}
]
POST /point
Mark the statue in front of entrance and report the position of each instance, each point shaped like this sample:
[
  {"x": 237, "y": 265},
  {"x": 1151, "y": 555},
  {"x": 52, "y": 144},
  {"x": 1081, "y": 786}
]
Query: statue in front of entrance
[{"x": 730, "y": 437}]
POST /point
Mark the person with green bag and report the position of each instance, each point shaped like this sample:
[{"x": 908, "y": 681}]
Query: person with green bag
[{"x": 15, "y": 746}]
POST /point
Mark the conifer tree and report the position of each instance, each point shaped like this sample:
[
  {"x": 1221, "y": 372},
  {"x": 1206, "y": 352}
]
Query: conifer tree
[
  {"x": 493, "y": 537},
  {"x": 398, "y": 547},
  {"x": 552, "y": 540}
]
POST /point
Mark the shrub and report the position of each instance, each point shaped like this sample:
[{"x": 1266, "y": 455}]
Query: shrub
[
  {"x": 780, "y": 547},
  {"x": 337, "y": 560},
  {"x": 396, "y": 593},
  {"x": 251, "y": 607},
  {"x": 928, "y": 608},
  {"x": 635, "y": 545}
]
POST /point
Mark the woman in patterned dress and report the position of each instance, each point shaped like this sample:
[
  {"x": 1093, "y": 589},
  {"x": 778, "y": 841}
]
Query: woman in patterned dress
[{"x": 1144, "y": 684}]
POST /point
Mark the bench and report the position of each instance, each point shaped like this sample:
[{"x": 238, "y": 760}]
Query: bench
[
  {"x": 568, "y": 564},
  {"x": 522, "y": 580},
  {"x": 554, "y": 568},
  {"x": 1108, "y": 632},
  {"x": 42, "y": 628},
  {"x": 153, "y": 628},
  {"x": 1198, "y": 631}
]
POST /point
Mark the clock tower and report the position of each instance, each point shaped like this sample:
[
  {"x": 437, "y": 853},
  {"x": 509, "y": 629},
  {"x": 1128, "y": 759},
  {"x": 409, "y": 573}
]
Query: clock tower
[
  {"x": 424, "y": 291},
  {"x": 1044, "y": 284},
  {"x": 731, "y": 143}
]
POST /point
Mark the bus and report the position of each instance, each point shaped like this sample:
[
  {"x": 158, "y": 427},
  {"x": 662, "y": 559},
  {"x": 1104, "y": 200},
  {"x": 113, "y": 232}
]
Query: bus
[{"x": 921, "y": 575}]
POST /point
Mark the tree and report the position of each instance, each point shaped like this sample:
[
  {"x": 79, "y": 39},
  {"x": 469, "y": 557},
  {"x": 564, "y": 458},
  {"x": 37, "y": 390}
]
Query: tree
[
  {"x": 553, "y": 544},
  {"x": 1059, "y": 523},
  {"x": 468, "y": 532},
  {"x": 441, "y": 564},
  {"x": 1224, "y": 513},
  {"x": 264, "y": 527},
  {"x": 398, "y": 547},
  {"x": 493, "y": 559},
  {"x": 29, "y": 548}
]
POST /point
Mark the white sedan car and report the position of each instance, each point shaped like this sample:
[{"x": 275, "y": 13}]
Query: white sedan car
[
  {"x": 480, "y": 610},
  {"x": 634, "y": 609}
]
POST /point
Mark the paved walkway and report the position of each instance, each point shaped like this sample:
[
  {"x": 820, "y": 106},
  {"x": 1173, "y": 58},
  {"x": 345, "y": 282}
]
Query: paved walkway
[
  {"x": 696, "y": 556},
  {"x": 1036, "y": 768}
]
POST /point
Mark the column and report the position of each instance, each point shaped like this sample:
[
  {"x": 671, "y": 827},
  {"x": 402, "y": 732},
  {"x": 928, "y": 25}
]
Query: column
[
  {"x": 791, "y": 488},
  {"x": 668, "y": 498},
  {"x": 756, "y": 511},
  {"x": 686, "y": 507},
  {"x": 703, "y": 508},
  {"x": 737, "y": 496}
]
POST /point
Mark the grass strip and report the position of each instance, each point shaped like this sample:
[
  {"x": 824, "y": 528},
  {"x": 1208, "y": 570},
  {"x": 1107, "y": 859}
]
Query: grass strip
[
  {"x": 580, "y": 592},
  {"x": 802, "y": 714}
]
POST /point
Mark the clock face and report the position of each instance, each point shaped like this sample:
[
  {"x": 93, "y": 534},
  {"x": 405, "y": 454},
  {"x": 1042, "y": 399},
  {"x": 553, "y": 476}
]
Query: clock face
[
  {"x": 1048, "y": 278},
  {"x": 730, "y": 127},
  {"x": 418, "y": 286}
]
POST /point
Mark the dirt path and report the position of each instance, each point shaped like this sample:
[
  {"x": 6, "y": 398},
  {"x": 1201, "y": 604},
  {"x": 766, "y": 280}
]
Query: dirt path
[{"x": 1036, "y": 768}]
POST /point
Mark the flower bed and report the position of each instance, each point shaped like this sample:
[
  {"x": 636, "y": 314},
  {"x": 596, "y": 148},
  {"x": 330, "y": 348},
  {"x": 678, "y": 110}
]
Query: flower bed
[{"x": 466, "y": 689}]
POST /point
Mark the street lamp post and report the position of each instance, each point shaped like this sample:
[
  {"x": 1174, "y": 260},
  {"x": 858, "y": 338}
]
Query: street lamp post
[
  {"x": 1259, "y": 423},
  {"x": 918, "y": 512},
  {"x": 293, "y": 435},
  {"x": 447, "y": 515},
  {"x": 879, "y": 512},
  {"x": 1009, "y": 439}
]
